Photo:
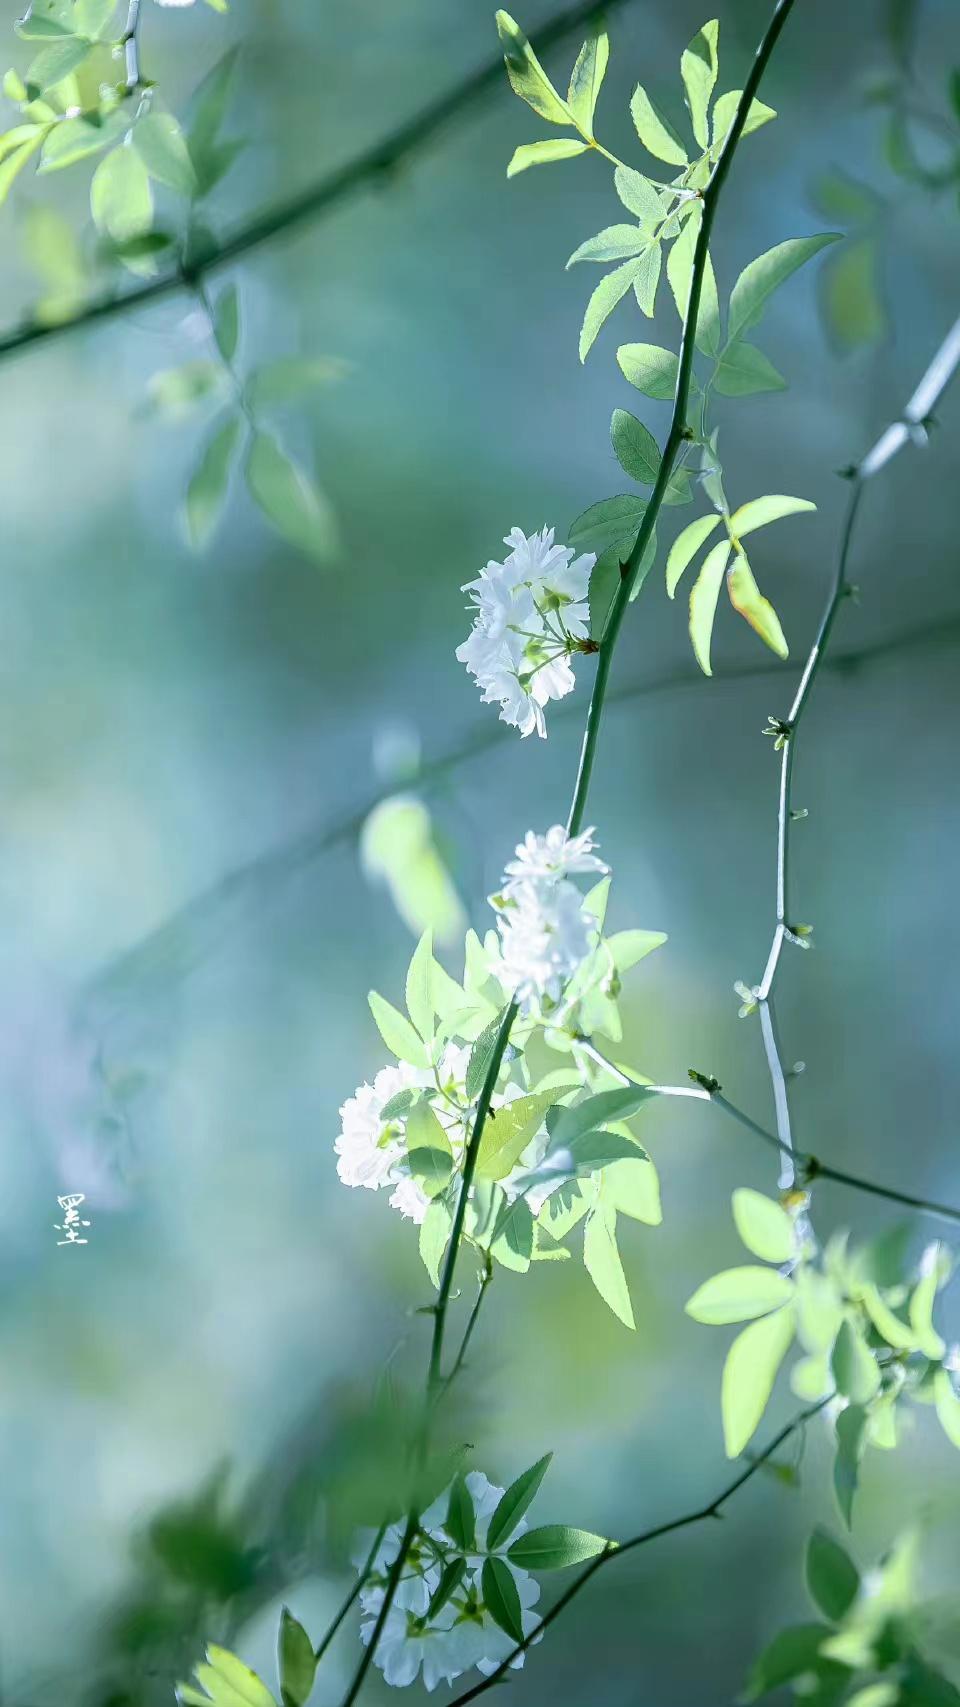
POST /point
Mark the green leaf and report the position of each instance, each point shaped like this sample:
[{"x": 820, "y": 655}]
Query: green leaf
[
  {"x": 176, "y": 391},
  {"x": 207, "y": 491},
  {"x": 748, "y": 601},
  {"x": 736, "y": 1294},
  {"x": 650, "y": 368},
  {"x": 887, "y": 1323},
  {"x": 398, "y": 846},
  {"x": 611, "y": 244},
  {"x": 685, "y": 548},
  {"x": 450, "y": 1581},
  {"x": 602, "y": 1262},
  {"x": 638, "y": 195},
  {"x": 680, "y": 278},
  {"x": 211, "y": 158},
  {"x": 52, "y": 64},
  {"x": 854, "y": 1365},
  {"x": 635, "y": 447},
  {"x": 85, "y": 134},
  {"x": 744, "y": 370},
  {"x": 647, "y": 279},
  {"x": 544, "y": 153},
  {"x": 512, "y": 1242},
  {"x": 948, "y": 1405},
  {"x": 226, "y": 322},
  {"x": 763, "y": 276},
  {"x": 792, "y": 1653},
  {"x": 703, "y": 602},
  {"x": 229, "y": 1682},
  {"x": 162, "y": 147},
  {"x": 287, "y": 380},
  {"x": 592, "y": 1151},
  {"x": 698, "y": 68},
  {"x": 851, "y": 1424},
  {"x": 13, "y": 165},
  {"x": 655, "y": 131},
  {"x": 428, "y": 1149},
  {"x": 850, "y": 298},
  {"x": 760, "y": 512},
  {"x": 419, "y": 986},
  {"x": 748, "y": 1376},
  {"x": 605, "y": 578},
  {"x": 554, "y": 1547},
  {"x": 121, "y": 200},
  {"x": 764, "y": 1226},
  {"x": 289, "y": 499},
  {"x": 832, "y": 1577},
  {"x": 499, "y": 1587},
  {"x": 725, "y": 109},
  {"x": 921, "y": 1306},
  {"x": 604, "y": 300},
  {"x": 434, "y": 1233},
  {"x": 586, "y": 78},
  {"x": 296, "y": 1663},
  {"x": 507, "y": 1132},
  {"x": 481, "y": 1056},
  {"x": 594, "y": 1111},
  {"x": 609, "y": 522},
  {"x": 460, "y": 1522},
  {"x": 515, "y": 1502},
  {"x": 397, "y": 1032},
  {"x": 632, "y": 1188},
  {"x": 527, "y": 76},
  {"x": 630, "y": 947}
]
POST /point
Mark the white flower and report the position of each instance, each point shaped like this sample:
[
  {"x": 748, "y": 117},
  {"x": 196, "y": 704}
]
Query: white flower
[
  {"x": 175, "y": 2},
  {"x": 530, "y": 615},
  {"x": 546, "y": 933},
  {"x": 368, "y": 1147},
  {"x": 462, "y": 1634},
  {"x": 554, "y": 855}
]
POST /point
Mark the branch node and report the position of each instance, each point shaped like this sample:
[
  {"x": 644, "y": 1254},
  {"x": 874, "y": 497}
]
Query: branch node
[{"x": 705, "y": 1080}]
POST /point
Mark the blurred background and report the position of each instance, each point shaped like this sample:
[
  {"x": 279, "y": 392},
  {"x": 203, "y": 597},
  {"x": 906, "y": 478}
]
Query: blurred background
[{"x": 189, "y": 745}]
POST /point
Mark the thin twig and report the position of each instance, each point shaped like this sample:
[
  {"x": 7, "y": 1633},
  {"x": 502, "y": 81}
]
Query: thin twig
[
  {"x": 435, "y": 1384},
  {"x": 911, "y": 428},
  {"x": 195, "y": 928},
  {"x": 354, "y": 1595},
  {"x": 700, "y": 1515},
  {"x": 317, "y": 200}
]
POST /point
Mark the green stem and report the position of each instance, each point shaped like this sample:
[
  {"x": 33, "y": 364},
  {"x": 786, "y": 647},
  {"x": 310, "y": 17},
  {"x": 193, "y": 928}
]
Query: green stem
[
  {"x": 678, "y": 431},
  {"x": 612, "y": 1551},
  {"x": 435, "y": 1384},
  {"x": 353, "y": 1596}
]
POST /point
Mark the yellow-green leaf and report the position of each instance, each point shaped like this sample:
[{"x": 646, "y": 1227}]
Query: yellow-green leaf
[
  {"x": 703, "y": 602},
  {"x": 747, "y": 599},
  {"x": 586, "y": 78},
  {"x": 685, "y": 547},
  {"x": 736, "y": 1294},
  {"x": 527, "y": 76},
  {"x": 759, "y": 512},
  {"x": 748, "y": 1376},
  {"x": 543, "y": 153}
]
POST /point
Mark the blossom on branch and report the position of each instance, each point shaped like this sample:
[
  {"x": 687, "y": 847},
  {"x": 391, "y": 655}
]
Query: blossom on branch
[
  {"x": 530, "y": 616},
  {"x": 546, "y": 931}
]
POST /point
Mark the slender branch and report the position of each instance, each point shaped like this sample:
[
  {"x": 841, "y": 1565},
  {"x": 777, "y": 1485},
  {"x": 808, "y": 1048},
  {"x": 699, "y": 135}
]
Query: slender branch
[
  {"x": 810, "y": 1167},
  {"x": 131, "y": 48},
  {"x": 485, "y": 1279},
  {"x": 435, "y": 1385},
  {"x": 700, "y": 1515},
  {"x": 911, "y": 428},
  {"x": 318, "y": 200},
  {"x": 353, "y": 1596},
  {"x": 198, "y": 926},
  {"x": 679, "y": 431}
]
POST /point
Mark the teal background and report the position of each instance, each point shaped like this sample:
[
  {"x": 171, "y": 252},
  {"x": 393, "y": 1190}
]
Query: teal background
[{"x": 166, "y": 720}]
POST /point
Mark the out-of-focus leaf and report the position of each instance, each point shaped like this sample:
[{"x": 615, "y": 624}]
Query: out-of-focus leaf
[
  {"x": 207, "y": 491},
  {"x": 853, "y": 310},
  {"x": 162, "y": 147},
  {"x": 120, "y": 197},
  {"x": 296, "y": 1662},
  {"x": 398, "y": 846},
  {"x": 289, "y": 499}
]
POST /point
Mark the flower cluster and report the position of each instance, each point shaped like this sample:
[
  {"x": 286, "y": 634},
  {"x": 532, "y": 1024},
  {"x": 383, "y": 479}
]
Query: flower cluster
[
  {"x": 545, "y": 929},
  {"x": 530, "y": 617},
  {"x": 445, "y": 1637}
]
